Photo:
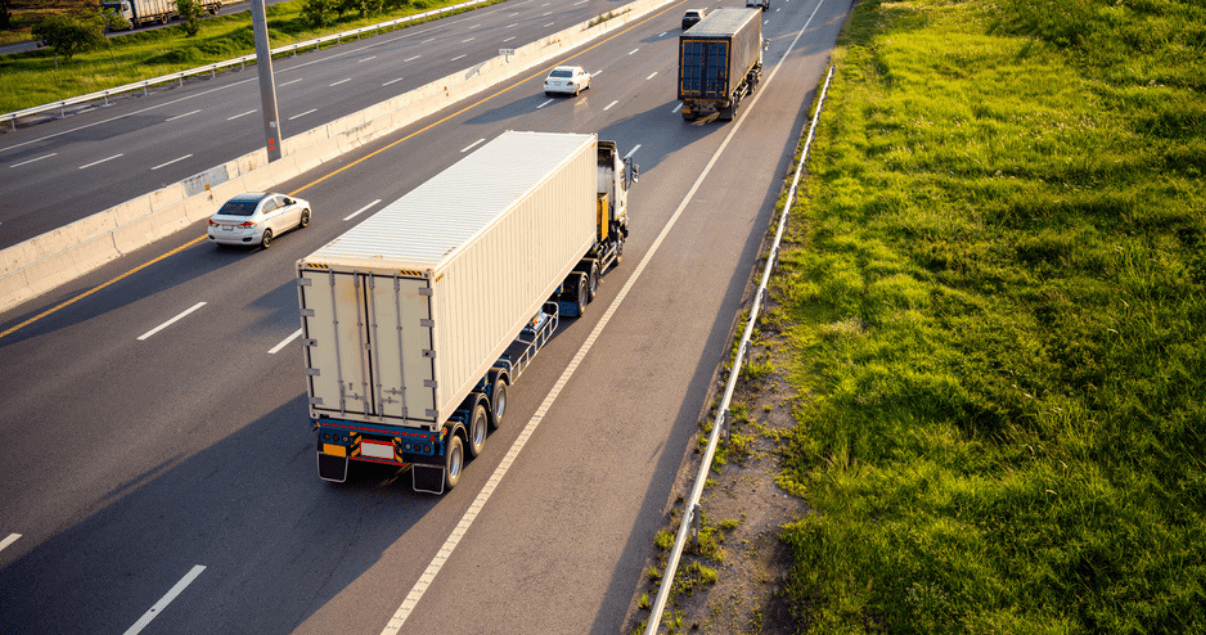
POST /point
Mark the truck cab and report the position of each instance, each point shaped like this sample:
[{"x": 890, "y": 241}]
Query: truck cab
[{"x": 758, "y": 4}]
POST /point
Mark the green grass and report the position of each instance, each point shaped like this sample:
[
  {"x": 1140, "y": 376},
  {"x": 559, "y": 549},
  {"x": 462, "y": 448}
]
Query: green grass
[
  {"x": 996, "y": 305},
  {"x": 31, "y": 79}
]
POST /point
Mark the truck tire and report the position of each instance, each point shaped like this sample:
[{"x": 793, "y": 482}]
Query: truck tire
[
  {"x": 592, "y": 281},
  {"x": 498, "y": 402},
  {"x": 454, "y": 461},
  {"x": 582, "y": 299},
  {"x": 479, "y": 425}
]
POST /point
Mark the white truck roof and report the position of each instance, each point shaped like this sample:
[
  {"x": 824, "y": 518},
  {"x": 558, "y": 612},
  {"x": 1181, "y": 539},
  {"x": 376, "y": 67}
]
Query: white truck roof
[{"x": 424, "y": 228}]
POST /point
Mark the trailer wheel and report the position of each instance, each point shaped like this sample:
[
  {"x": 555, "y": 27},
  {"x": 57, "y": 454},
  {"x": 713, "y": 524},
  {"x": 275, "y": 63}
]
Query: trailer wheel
[
  {"x": 454, "y": 460},
  {"x": 478, "y": 425},
  {"x": 499, "y": 402}
]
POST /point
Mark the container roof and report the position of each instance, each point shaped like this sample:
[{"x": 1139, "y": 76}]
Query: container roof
[
  {"x": 426, "y": 226},
  {"x": 722, "y": 22}
]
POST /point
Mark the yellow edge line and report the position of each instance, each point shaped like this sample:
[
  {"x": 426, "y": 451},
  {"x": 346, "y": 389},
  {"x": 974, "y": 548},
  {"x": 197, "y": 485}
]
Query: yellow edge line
[{"x": 323, "y": 178}]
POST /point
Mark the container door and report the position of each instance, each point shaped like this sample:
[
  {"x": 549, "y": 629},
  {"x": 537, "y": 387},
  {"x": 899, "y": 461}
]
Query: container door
[
  {"x": 403, "y": 368},
  {"x": 716, "y": 75},
  {"x": 333, "y": 327},
  {"x": 704, "y": 68}
]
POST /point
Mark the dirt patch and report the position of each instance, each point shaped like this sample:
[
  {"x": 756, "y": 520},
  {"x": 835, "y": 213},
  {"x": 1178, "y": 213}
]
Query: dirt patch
[{"x": 730, "y": 582}]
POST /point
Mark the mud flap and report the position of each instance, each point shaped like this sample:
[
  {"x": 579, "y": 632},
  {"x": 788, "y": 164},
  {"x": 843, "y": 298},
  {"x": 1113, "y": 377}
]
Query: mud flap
[
  {"x": 428, "y": 479},
  {"x": 332, "y": 468}
]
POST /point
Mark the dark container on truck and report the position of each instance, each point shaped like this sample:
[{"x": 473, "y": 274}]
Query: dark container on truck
[{"x": 719, "y": 63}]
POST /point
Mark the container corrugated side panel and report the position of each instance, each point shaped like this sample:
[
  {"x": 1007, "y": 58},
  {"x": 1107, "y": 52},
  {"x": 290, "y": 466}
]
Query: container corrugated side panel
[{"x": 487, "y": 293}]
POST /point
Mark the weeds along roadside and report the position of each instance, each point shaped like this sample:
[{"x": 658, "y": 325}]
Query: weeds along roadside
[
  {"x": 31, "y": 79},
  {"x": 996, "y": 304}
]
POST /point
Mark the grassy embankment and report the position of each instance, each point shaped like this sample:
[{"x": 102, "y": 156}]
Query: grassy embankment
[
  {"x": 996, "y": 310},
  {"x": 30, "y": 79}
]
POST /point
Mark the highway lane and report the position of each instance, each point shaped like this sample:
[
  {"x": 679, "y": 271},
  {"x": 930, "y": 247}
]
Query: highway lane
[
  {"x": 134, "y": 462},
  {"x": 60, "y": 171}
]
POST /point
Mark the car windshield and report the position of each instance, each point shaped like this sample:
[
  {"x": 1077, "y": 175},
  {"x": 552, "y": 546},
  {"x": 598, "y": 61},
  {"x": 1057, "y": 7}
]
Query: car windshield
[
  {"x": 238, "y": 208},
  {"x": 561, "y": 74}
]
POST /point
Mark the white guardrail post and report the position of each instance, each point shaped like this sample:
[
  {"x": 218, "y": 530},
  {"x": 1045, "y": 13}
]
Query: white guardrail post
[
  {"x": 12, "y": 117},
  {"x": 691, "y": 522}
]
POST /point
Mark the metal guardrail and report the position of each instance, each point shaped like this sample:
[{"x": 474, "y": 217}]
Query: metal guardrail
[
  {"x": 690, "y": 524},
  {"x": 212, "y": 69}
]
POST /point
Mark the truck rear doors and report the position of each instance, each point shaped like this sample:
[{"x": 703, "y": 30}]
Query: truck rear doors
[
  {"x": 368, "y": 346},
  {"x": 703, "y": 69}
]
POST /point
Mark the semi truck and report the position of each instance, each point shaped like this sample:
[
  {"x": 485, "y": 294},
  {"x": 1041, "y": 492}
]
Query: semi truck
[
  {"x": 719, "y": 63},
  {"x": 140, "y": 12},
  {"x": 417, "y": 322}
]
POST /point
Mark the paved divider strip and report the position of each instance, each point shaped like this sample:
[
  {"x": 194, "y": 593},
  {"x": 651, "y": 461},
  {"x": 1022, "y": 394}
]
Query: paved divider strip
[{"x": 44, "y": 262}]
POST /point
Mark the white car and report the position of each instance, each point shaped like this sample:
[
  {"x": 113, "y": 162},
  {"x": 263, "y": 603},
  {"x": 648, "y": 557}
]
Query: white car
[
  {"x": 566, "y": 79},
  {"x": 256, "y": 218}
]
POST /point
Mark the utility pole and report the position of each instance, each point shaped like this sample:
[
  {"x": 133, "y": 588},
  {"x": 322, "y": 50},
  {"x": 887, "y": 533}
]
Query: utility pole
[{"x": 263, "y": 60}]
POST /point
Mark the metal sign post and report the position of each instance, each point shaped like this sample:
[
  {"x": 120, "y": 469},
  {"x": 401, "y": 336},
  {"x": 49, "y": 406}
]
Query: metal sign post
[{"x": 263, "y": 59}]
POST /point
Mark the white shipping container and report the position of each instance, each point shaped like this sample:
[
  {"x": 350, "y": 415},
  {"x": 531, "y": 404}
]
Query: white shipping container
[{"x": 404, "y": 313}]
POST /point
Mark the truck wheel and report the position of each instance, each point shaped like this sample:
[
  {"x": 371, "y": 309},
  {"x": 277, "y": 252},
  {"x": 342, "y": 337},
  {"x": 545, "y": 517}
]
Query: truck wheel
[
  {"x": 454, "y": 460},
  {"x": 582, "y": 297},
  {"x": 266, "y": 241},
  {"x": 478, "y": 426},
  {"x": 592, "y": 281},
  {"x": 499, "y": 403},
  {"x": 619, "y": 251}
]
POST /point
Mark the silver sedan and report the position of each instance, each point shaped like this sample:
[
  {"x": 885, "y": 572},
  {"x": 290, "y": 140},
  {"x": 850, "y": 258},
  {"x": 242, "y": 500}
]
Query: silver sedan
[{"x": 257, "y": 218}]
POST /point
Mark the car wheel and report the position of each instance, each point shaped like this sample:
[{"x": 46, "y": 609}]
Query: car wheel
[
  {"x": 305, "y": 219},
  {"x": 266, "y": 241}
]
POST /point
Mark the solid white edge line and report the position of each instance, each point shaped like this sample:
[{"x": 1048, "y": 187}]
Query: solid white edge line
[
  {"x": 361, "y": 210},
  {"x": 163, "y": 165},
  {"x": 165, "y": 600},
  {"x": 17, "y": 165},
  {"x": 472, "y": 145},
  {"x": 102, "y": 160},
  {"x": 4, "y": 544},
  {"x": 416, "y": 593},
  {"x": 171, "y": 321},
  {"x": 278, "y": 347}
]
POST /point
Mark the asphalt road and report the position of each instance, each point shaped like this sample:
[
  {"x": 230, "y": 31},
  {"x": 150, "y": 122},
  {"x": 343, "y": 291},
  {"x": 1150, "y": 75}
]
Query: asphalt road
[
  {"x": 63, "y": 170},
  {"x": 169, "y": 481}
]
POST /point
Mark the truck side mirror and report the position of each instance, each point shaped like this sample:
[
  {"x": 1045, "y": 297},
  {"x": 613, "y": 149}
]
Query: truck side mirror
[{"x": 635, "y": 172}]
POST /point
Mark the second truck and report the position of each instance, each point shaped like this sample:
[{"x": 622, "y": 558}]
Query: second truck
[
  {"x": 140, "y": 12},
  {"x": 417, "y": 321},
  {"x": 719, "y": 63}
]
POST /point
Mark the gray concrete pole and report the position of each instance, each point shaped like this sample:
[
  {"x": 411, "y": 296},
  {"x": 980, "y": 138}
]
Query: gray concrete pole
[{"x": 263, "y": 60}]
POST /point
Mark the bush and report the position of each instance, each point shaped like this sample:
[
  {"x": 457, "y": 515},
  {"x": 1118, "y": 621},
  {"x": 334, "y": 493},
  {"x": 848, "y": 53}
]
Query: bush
[{"x": 67, "y": 35}]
